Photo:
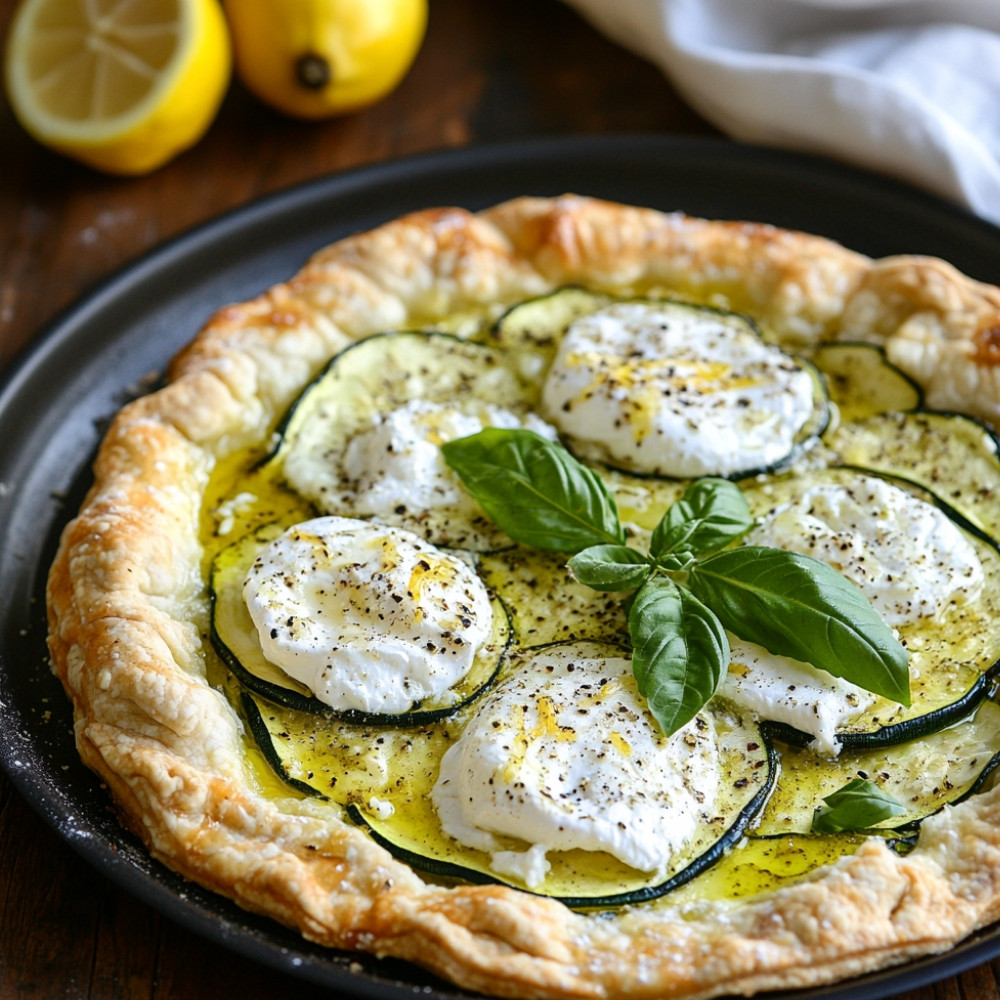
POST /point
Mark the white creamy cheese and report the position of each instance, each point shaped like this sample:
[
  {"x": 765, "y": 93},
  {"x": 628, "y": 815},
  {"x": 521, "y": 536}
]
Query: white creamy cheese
[
  {"x": 393, "y": 468},
  {"x": 676, "y": 391},
  {"x": 907, "y": 557},
  {"x": 369, "y": 617},
  {"x": 789, "y": 691},
  {"x": 565, "y": 755},
  {"x": 910, "y": 560}
]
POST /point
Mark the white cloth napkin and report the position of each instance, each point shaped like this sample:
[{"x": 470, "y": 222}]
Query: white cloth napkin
[{"x": 910, "y": 88}]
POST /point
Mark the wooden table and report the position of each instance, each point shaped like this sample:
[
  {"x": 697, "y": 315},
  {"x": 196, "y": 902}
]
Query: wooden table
[{"x": 487, "y": 71}]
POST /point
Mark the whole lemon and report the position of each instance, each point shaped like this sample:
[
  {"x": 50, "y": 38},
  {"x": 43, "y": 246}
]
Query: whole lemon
[{"x": 319, "y": 58}]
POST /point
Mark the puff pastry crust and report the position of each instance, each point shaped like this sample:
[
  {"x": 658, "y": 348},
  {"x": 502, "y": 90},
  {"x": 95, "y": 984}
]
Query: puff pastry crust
[{"x": 127, "y": 610}]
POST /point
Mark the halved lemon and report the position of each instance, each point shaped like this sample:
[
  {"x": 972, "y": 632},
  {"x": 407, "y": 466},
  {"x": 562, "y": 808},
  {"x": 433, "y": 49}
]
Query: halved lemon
[{"x": 123, "y": 85}]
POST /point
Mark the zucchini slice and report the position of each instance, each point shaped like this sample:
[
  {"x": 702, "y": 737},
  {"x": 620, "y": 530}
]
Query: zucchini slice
[
  {"x": 862, "y": 382},
  {"x": 532, "y": 330},
  {"x": 955, "y": 456},
  {"x": 953, "y": 658},
  {"x": 628, "y": 408},
  {"x": 257, "y": 713},
  {"x": 234, "y": 638},
  {"x": 781, "y": 848},
  {"x": 924, "y": 774},
  {"x": 383, "y": 779},
  {"x": 346, "y": 445},
  {"x": 343, "y": 760}
]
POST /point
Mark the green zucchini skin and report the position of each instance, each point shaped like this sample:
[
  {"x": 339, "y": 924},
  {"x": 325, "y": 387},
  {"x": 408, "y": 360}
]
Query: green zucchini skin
[
  {"x": 261, "y": 737},
  {"x": 904, "y": 838},
  {"x": 985, "y": 780},
  {"x": 232, "y": 629},
  {"x": 923, "y": 776},
  {"x": 775, "y": 853},
  {"x": 295, "y": 413},
  {"x": 895, "y": 734},
  {"x": 413, "y": 717}
]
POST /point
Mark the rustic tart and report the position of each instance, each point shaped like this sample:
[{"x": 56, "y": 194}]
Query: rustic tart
[{"x": 369, "y": 819}]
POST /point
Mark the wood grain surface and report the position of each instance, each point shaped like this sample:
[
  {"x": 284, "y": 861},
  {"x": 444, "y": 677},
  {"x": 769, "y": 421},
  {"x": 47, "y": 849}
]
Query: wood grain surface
[{"x": 488, "y": 70}]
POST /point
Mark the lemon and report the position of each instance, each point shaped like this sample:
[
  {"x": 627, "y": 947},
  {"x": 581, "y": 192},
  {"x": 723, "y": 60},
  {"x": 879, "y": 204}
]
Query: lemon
[
  {"x": 319, "y": 58},
  {"x": 123, "y": 85}
]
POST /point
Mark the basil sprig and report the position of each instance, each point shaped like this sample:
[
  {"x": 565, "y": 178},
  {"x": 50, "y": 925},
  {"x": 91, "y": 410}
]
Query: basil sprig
[
  {"x": 859, "y": 805},
  {"x": 691, "y": 587}
]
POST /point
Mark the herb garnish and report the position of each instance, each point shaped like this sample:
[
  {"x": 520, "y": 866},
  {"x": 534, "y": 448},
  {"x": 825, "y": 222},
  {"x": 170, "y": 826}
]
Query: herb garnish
[
  {"x": 859, "y": 805},
  {"x": 691, "y": 588}
]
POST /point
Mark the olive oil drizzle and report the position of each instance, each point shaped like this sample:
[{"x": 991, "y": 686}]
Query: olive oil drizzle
[{"x": 352, "y": 766}]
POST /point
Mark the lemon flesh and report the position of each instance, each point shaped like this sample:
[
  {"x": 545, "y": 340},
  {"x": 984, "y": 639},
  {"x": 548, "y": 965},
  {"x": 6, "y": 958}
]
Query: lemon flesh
[{"x": 122, "y": 85}]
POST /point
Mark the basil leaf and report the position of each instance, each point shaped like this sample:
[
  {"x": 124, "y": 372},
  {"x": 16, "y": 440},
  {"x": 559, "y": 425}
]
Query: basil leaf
[
  {"x": 794, "y": 605},
  {"x": 535, "y": 490},
  {"x": 610, "y": 567},
  {"x": 679, "y": 651},
  {"x": 711, "y": 514},
  {"x": 860, "y": 804}
]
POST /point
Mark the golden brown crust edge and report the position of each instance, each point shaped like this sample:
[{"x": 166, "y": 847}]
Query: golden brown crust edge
[{"x": 127, "y": 610}]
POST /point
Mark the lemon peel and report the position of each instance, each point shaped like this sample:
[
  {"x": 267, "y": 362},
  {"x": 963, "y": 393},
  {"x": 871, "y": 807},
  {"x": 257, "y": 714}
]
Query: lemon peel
[{"x": 321, "y": 58}]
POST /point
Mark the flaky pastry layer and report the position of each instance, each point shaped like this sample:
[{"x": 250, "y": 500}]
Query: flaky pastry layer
[{"x": 127, "y": 610}]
